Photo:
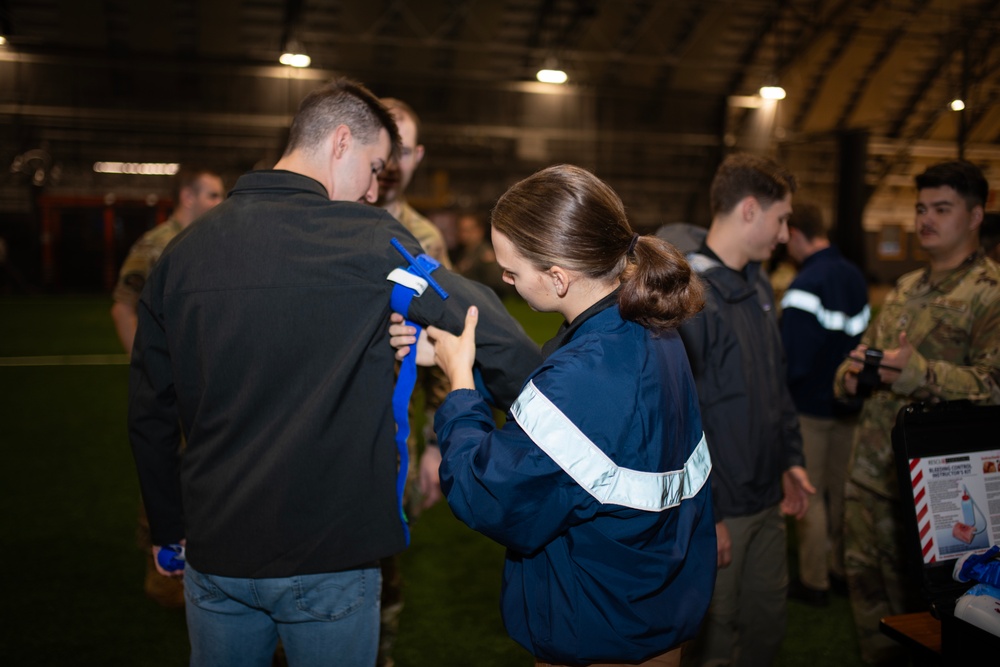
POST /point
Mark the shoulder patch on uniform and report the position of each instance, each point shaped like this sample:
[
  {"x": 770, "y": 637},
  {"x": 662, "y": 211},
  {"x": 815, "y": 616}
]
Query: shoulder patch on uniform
[{"x": 135, "y": 282}]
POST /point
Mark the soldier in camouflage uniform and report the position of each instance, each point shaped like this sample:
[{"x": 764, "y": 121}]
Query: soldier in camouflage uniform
[
  {"x": 423, "y": 486},
  {"x": 941, "y": 327},
  {"x": 425, "y": 231},
  {"x": 396, "y": 176},
  {"x": 197, "y": 190}
]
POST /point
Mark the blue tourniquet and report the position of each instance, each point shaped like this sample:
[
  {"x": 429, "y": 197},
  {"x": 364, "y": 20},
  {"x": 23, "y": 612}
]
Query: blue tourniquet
[{"x": 402, "y": 294}]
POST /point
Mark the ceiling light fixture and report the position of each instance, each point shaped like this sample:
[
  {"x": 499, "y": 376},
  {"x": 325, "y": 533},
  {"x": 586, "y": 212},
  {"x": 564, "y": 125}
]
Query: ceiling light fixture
[
  {"x": 771, "y": 89},
  {"x": 772, "y": 92},
  {"x": 550, "y": 72},
  {"x": 556, "y": 76},
  {"x": 957, "y": 105},
  {"x": 137, "y": 168},
  {"x": 3, "y": 40},
  {"x": 295, "y": 59},
  {"x": 294, "y": 55}
]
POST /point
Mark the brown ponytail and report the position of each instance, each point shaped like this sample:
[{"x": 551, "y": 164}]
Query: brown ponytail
[
  {"x": 659, "y": 290},
  {"x": 565, "y": 216}
]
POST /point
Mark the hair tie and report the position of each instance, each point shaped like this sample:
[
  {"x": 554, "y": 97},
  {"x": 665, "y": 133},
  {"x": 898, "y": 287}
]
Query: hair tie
[{"x": 631, "y": 245}]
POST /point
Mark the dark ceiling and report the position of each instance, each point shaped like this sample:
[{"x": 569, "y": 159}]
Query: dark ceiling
[{"x": 657, "y": 89}]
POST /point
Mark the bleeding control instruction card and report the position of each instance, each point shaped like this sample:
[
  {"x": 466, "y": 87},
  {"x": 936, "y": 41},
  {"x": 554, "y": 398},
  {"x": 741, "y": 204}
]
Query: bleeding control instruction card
[{"x": 957, "y": 499}]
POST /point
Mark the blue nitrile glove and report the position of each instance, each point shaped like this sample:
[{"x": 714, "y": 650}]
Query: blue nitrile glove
[
  {"x": 984, "y": 568},
  {"x": 171, "y": 557}
]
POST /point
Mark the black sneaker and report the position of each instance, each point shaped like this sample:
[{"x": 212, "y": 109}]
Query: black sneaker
[{"x": 801, "y": 593}]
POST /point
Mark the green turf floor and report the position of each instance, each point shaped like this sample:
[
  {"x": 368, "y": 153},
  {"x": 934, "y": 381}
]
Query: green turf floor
[{"x": 68, "y": 504}]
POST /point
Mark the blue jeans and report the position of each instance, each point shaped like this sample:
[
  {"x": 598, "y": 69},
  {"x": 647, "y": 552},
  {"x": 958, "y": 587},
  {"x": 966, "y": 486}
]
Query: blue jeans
[{"x": 322, "y": 619}]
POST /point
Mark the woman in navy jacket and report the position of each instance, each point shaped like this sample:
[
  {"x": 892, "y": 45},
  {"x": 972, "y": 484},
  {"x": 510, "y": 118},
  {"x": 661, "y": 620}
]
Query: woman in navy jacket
[{"x": 597, "y": 483}]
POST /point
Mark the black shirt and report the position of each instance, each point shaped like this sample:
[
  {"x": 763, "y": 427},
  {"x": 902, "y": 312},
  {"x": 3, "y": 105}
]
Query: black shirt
[{"x": 263, "y": 328}]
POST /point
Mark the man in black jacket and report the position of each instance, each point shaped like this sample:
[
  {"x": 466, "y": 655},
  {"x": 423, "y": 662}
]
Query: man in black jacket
[
  {"x": 263, "y": 335},
  {"x": 734, "y": 347}
]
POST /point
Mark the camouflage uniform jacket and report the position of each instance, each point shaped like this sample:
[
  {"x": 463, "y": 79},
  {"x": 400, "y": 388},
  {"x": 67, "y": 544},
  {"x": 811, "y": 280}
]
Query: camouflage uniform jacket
[
  {"x": 140, "y": 260},
  {"x": 954, "y": 328},
  {"x": 426, "y": 233}
]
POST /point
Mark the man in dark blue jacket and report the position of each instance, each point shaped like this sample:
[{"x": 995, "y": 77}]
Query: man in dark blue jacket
[{"x": 824, "y": 313}]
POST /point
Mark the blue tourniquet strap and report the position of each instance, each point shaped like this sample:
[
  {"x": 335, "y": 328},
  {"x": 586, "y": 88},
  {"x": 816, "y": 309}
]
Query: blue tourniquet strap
[
  {"x": 402, "y": 295},
  {"x": 422, "y": 266},
  {"x": 400, "y": 412}
]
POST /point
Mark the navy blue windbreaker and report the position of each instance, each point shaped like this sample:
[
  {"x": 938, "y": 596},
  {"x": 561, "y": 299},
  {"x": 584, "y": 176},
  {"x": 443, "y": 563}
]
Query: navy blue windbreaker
[
  {"x": 598, "y": 487},
  {"x": 824, "y": 312}
]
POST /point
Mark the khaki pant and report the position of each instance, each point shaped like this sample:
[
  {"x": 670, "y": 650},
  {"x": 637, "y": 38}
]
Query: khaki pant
[
  {"x": 668, "y": 659},
  {"x": 827, "y": 447},
  {"x": 746, "y": 620}
]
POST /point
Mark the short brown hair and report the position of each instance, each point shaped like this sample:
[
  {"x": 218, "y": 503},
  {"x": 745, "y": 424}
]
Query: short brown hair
[
  {"x": 744, "y": 175},
  {"x": 808, "y": 219},
  {"x": 393, "y": 104},
  {"x": 961, "y": 176},
  {"x": 566, "y": 216},
  {"x": 188, "y": 176},
  {"x": 340, "y": 102}
]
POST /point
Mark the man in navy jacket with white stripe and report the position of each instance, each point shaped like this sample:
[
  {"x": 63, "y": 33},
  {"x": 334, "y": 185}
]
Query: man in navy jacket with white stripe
[{"x": 824, "y": 313}]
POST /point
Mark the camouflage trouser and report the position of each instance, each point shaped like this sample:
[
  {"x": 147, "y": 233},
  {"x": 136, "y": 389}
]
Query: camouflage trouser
[
  {"x": 876, "y": 575},
  {"x": 430, "y": 391},
  {"x": 392, "y": 607}
]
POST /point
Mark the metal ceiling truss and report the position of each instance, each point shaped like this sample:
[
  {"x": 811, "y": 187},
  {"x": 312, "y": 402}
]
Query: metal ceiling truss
[{"x": 644, "y": 61}]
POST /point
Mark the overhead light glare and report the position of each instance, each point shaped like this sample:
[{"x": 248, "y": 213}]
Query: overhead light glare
[
  {"x": 295, "y": 59},
  {"x": 3, "y": 40},
  {"x": 957, "y": 105},
  {"x": 556, "y": 76},
  {"x": 137, "y": 168},
  {"x": 745, "y": 101},
  {"x": 772, "y": 92}
]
